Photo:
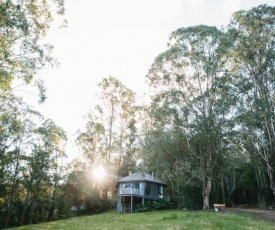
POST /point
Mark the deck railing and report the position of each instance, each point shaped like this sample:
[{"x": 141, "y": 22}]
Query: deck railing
[
  {"x": 131, "y": 191},
  {"x": 139, "y": 192}
]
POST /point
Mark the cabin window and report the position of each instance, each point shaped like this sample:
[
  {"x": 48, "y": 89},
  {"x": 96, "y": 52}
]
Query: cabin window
[
  {"x": 147, "y": 188},
  {"x": 141, "y": 185},
  {"x": 131, "y": 185},
  {"x": 160, "y": 191}
]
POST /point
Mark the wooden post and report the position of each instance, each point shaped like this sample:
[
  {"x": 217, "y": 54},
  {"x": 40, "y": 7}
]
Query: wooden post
[{"x": 132, "y": 204}]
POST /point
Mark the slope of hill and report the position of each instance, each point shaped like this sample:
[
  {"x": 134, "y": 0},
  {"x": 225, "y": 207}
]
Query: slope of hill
[{"x": 171, "y": 219}]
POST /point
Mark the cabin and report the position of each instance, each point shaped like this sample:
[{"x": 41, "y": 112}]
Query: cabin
[{"x": 136, "y": 189}]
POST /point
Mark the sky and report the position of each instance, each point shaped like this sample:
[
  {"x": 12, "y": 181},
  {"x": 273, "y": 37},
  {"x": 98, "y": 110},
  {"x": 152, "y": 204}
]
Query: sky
[{"x": 118, "y": 38}]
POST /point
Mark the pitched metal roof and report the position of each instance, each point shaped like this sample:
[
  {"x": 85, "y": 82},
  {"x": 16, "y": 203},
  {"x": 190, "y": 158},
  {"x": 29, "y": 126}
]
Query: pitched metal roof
[{"x": 141, "y": 177}]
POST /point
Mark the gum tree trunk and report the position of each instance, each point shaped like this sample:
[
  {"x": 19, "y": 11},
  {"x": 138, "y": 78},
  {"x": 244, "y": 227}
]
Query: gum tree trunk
[{"x": 206, "y": 192}]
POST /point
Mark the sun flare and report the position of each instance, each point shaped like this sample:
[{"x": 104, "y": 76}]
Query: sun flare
[{"x": 99, "y": 172}]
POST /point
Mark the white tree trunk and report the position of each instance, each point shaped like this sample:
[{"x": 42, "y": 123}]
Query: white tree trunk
[{"x": 206, "y": 192}]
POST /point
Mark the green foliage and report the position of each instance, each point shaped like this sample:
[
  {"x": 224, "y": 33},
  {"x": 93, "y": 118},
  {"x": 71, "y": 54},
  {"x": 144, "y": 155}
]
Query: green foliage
[
  {"x": 110, "y": 135},
  {"x": 29, "y": 154},
  {"x": 246, "y": 176},
  {"x": 153, "y": 205},
  {"x": 252, "y": 60},
  {"x": 213, "y": 106},
  {"x": 208, "y": 130},
  {"x": 190, "y": 197},
  {"x": 29, "y": 167},
  {"x": 95, "y": 206},
  {"x": 23, "y": 24}
]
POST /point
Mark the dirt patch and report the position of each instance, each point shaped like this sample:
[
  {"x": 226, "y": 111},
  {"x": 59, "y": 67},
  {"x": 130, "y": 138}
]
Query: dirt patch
[{"x": 259, "y": 214}]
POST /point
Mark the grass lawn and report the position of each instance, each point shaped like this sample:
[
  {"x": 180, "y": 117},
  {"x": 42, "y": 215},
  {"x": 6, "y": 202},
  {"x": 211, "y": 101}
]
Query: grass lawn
[{"x": 168, "y": 219}]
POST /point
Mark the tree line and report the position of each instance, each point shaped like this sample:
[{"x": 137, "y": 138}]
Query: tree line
[
  {"x": 213, "y": 107},
  {"x": 206, "y": 127}
]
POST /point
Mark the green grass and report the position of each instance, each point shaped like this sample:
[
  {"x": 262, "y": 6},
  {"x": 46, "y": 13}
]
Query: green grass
[{"x": 169, "y": 219}]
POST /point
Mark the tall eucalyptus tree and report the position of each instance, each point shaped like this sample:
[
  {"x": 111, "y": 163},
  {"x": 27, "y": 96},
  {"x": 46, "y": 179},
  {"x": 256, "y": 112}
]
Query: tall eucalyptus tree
[
  {"x": 191, "y": 94},
  {"x": 109, "y": 137},
  {"x": 23, "y": 24},
  {"x": 118, "y": 109},
  {"x": 252, "y": 60},
  {"x": 45, "y": 162}
]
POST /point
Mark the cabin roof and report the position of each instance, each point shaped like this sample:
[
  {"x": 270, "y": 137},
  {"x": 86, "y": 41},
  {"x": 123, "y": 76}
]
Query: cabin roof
[{"x": 141, "y": 177}]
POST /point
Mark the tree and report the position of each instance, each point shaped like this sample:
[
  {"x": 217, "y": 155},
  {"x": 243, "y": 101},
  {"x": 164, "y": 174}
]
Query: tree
[
  {"x": 44, "y": 163},
  {"x": 192, "y": 95},
  {"x": 109, "y": 137},
  {"x": 32, "y": 162},
  {"x": 16, "y": 128},
  {"x": 22, "y": 26},
  {"x": 252, "y": 58}
]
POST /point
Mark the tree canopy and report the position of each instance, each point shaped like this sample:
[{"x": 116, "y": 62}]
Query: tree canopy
[{"x": 206, "y": 128}]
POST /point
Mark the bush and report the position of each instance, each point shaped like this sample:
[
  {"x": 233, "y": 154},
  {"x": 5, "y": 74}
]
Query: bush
[
  {"x": 153, "y": 205},
  {"x": 97, "y": 206}
]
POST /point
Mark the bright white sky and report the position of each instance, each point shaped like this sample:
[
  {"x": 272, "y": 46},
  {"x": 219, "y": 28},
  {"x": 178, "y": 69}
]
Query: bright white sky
[{"x": 120, "y": 38}]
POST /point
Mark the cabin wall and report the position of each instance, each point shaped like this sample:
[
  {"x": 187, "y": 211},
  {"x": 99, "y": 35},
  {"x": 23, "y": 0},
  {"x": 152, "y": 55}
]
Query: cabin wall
[
  {"x": 154, "y": 189},
  {"x": 132, "y": 193},
  {"x": 144, "y": 189}
]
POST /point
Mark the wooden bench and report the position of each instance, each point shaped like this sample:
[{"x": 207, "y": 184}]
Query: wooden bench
[{"x": 219, "y": 206}]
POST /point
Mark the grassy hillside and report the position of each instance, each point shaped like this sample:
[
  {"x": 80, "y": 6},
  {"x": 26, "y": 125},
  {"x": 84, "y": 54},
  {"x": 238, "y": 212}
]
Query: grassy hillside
[{"x": 171, "y": 219}]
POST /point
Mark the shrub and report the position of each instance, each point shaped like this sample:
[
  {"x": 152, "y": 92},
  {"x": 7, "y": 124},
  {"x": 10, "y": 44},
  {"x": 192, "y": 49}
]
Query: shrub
[{"x": 153, "y": 205}]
